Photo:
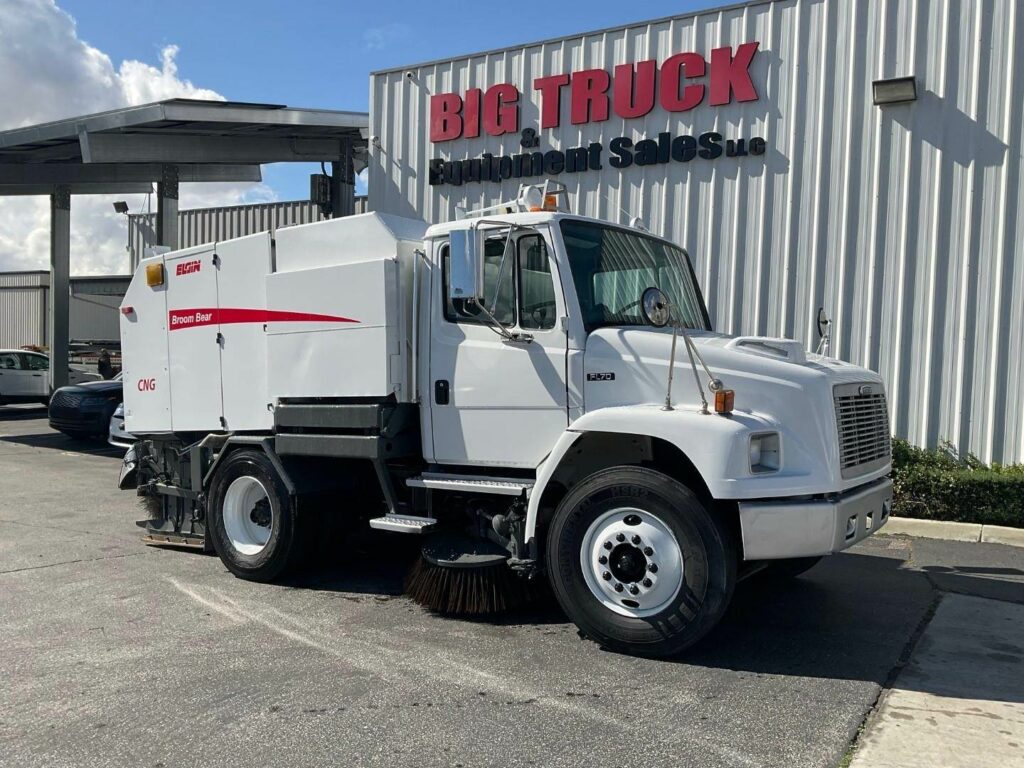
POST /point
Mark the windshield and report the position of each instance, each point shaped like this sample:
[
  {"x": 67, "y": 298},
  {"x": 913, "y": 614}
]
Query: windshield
[{"x": 611, "y": 268}]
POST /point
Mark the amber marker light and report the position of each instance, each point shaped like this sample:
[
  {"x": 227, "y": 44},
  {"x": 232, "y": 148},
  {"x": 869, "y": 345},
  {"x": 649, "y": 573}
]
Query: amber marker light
[{"x": 724, "y": 401}]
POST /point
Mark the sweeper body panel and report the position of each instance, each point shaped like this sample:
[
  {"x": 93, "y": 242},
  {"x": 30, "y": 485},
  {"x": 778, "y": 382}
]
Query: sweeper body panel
[{"x": 533, "y": 392}]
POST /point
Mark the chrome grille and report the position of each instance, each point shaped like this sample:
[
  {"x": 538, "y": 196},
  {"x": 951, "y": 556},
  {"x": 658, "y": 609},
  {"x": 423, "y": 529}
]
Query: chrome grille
[{"x": 862, "y": 419}]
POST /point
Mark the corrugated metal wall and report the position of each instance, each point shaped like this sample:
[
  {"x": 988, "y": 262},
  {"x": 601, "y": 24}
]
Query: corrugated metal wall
[
  {"x": 93, "y": 308},
  {"x": 906, "y": 222},
  {"x": 23, "y": 308},
  {"x": 206, "y": 225}
]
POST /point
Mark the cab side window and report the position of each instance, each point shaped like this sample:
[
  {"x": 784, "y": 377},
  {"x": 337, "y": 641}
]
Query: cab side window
[
  {"x": 536, "y": 284},
  {"x": 36, "y": 362},
  {"x": 9, "y": 362},
  {"x": 519, "y": 287},
  {"x": 499, "y": 287}
]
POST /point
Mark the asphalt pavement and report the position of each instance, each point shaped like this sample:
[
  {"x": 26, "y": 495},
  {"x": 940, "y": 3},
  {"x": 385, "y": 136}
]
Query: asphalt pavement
[{"x": 113, "y": 653}]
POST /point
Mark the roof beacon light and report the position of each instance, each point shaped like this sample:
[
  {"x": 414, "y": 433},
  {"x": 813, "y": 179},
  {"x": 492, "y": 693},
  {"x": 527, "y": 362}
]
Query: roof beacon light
[
  {"x": 154, "y": 275},
  {"x": 724, "y": 401}
]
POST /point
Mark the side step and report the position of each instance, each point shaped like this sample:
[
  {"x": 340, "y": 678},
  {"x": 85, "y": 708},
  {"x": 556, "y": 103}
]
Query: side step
[
  {"x": 501, "y": 486},
  {"x": 402, "y": 523}
]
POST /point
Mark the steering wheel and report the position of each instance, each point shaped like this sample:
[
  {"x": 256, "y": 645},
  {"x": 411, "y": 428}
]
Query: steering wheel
[{"x": 539, "y": 310}]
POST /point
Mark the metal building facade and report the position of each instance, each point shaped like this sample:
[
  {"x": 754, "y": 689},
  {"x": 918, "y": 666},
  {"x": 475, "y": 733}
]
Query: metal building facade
[
  {"x": 23, "y": 308},
  {"x": 904, "y": 221},
  {"x": 93, "y": 311},
  {"x": 206, "y": 225}
]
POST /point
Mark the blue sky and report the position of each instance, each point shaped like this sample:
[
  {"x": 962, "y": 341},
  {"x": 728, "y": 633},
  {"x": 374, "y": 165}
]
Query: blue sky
[{"x": 316, "y": 53}]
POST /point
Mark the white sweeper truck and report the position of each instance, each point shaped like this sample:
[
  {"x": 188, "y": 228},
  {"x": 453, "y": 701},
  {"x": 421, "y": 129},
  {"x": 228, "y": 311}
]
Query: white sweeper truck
[{"x": 536, "y": 394}]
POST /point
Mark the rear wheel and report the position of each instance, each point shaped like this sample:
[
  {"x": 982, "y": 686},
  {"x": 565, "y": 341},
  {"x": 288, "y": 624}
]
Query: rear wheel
[
  {"x": 638, "y": 562},
  {"x": 251, "y": 518}
]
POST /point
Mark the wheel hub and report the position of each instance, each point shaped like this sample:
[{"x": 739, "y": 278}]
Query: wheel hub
[
  {"x": 627, "y": 563},
  {"x": 248, "y": 515},
  {"x": 632, "y": 562}
]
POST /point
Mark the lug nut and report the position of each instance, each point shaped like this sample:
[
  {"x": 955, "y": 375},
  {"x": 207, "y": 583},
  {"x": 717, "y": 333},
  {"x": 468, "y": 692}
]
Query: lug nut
[
  {"x": 606, "y": 576},
  {"x": 602, "y": 560},
  {"x": 633, "y": 589},
  {"x": 635, "y": 539},
  {"x": 607, "y": 545},
  {"x": 648, "y": 551},
  {"x": 620, "y": 537},
  {"x": 647, "y": 582},
  {"x": 653, "y": 567},
  {"x": 618, "y": 587}
]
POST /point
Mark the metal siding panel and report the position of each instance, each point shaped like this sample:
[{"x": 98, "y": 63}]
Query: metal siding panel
[
  {"x": 905, "y": 222},
  {"x": 22, "y": 312}
]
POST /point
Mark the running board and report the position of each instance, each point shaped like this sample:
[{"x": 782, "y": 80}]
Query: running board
[
  {"x": 402, "y": 523},
  {"x": 500, "y": 486}
]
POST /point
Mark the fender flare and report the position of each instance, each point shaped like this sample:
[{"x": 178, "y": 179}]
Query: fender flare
[{"x": 713, "y": 443}]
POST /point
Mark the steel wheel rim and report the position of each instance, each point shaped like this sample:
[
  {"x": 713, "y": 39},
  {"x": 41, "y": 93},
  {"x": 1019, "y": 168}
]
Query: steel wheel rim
[
  {"x": 633, "y": 534},
  {"x": 247, "y": 536}
]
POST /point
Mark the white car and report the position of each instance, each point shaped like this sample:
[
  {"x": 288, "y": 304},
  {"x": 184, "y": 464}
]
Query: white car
[
  {"x": 24, "y": 376},
  {"x": 117, "y": 435}
]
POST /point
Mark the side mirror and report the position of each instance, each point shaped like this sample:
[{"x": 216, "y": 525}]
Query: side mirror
[{"x": 465, "y": 272}]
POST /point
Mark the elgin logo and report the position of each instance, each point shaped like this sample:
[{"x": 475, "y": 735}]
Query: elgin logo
[
  {"x": 147, "y": 385},
  {"x": 187, "y": 267}
]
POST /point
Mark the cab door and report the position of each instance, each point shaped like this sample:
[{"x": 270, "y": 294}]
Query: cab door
[{"x": 493, "y": 401}]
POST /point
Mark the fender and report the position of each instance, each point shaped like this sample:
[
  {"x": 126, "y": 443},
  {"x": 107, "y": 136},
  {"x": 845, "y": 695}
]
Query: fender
[{"x": 717, "y": 445}]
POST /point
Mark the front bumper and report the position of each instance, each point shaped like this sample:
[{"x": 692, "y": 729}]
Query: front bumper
[{"x": 781, "y": 528}]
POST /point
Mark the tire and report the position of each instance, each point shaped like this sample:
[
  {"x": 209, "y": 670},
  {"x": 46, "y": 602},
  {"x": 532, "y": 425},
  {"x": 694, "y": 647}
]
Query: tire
[
  {"x": 786, "y": 570},
  {"x": 678, "y": 601},
  {"x": 245, "y": 491}
]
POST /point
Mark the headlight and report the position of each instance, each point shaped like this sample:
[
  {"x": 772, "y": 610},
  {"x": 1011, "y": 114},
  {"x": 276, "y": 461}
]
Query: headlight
[
  {"x": 119, "y": 411},
  {"x": 764, "y": 452}
]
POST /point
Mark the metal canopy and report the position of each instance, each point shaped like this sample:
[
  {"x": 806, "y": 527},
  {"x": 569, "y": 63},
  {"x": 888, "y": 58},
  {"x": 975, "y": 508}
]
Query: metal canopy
[{"x": 167, "y": 142}]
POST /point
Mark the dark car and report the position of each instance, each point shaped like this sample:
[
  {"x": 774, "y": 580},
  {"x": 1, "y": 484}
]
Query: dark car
[{"x": 84, "y": 410}]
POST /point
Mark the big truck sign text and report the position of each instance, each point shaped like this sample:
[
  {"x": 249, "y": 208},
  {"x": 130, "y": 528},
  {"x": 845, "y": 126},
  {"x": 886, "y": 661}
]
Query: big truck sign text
[{"x": 681, "y": 83}]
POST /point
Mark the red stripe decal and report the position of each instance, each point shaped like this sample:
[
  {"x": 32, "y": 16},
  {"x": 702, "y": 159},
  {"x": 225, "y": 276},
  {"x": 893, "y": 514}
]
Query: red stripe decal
[{"x": 192, "y": 318}]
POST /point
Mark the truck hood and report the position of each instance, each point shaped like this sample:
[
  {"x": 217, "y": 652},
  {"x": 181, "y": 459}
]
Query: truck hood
[{"x": 775, "y": 380}]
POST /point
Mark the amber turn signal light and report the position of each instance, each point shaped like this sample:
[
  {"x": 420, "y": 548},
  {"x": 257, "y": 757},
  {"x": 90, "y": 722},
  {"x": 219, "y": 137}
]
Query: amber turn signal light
[
  {"x": 724, "y": 400},
  {"x": 154, "y": 275}
]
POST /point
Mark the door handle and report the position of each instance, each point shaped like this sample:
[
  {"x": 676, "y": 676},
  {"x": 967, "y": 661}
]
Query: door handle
[
  {"x": 441, "y": 392},
  {"x": 37, "y": 375}
]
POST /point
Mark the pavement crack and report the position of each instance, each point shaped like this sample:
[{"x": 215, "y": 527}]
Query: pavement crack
[{"x": 72, "y": 562}]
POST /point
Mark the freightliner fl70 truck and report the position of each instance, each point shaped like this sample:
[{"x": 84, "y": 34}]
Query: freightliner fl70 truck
[{"x": 540, "y": 392}]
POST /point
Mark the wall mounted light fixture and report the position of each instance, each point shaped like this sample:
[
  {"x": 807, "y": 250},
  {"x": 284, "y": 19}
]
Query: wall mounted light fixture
[{"x": 895, "y": 90}]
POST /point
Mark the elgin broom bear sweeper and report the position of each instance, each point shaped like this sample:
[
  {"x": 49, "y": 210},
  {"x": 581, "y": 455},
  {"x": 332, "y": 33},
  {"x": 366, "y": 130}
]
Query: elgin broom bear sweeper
[{"x": 535, "y": 394}]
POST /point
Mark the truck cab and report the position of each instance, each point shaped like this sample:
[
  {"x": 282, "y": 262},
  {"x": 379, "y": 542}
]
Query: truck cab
[{"x": 552, "y": 399}]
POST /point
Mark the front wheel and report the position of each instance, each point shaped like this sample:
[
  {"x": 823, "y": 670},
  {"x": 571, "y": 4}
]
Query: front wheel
[
  {"x": 251, "y": 518},
  {"x": 638, "y": 563}
]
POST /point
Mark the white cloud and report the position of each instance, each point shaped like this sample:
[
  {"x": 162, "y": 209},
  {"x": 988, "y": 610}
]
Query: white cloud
[
  {"x": 48, "y": 73},
  {"x": 378, "y": 38}
]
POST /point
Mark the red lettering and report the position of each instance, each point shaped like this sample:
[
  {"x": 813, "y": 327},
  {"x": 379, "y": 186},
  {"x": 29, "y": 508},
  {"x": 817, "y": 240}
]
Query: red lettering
[
  {"x": 501, "y": 113},
  {"x": 147, "y": 385},
  {"x": 187, "y": 267},
  {"x": 731, "y": 74},
  {"x": 589, "y": 96},
  {"x": 633, "y": 96},
  {"x": 471, "y": 114},
  {"x": 445, "y": 117},
  {"x": 673, "y": 70},
  {"x": 550, "y": 98}
]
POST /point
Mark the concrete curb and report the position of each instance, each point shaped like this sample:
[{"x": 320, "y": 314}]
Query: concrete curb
[{"x": 940, "y": 529}]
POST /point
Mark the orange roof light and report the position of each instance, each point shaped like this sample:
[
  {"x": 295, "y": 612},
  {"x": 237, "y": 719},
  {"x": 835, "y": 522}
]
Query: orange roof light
[
  {"x": 154, "y": 275},
  {"x": 724, "y": 401}
]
